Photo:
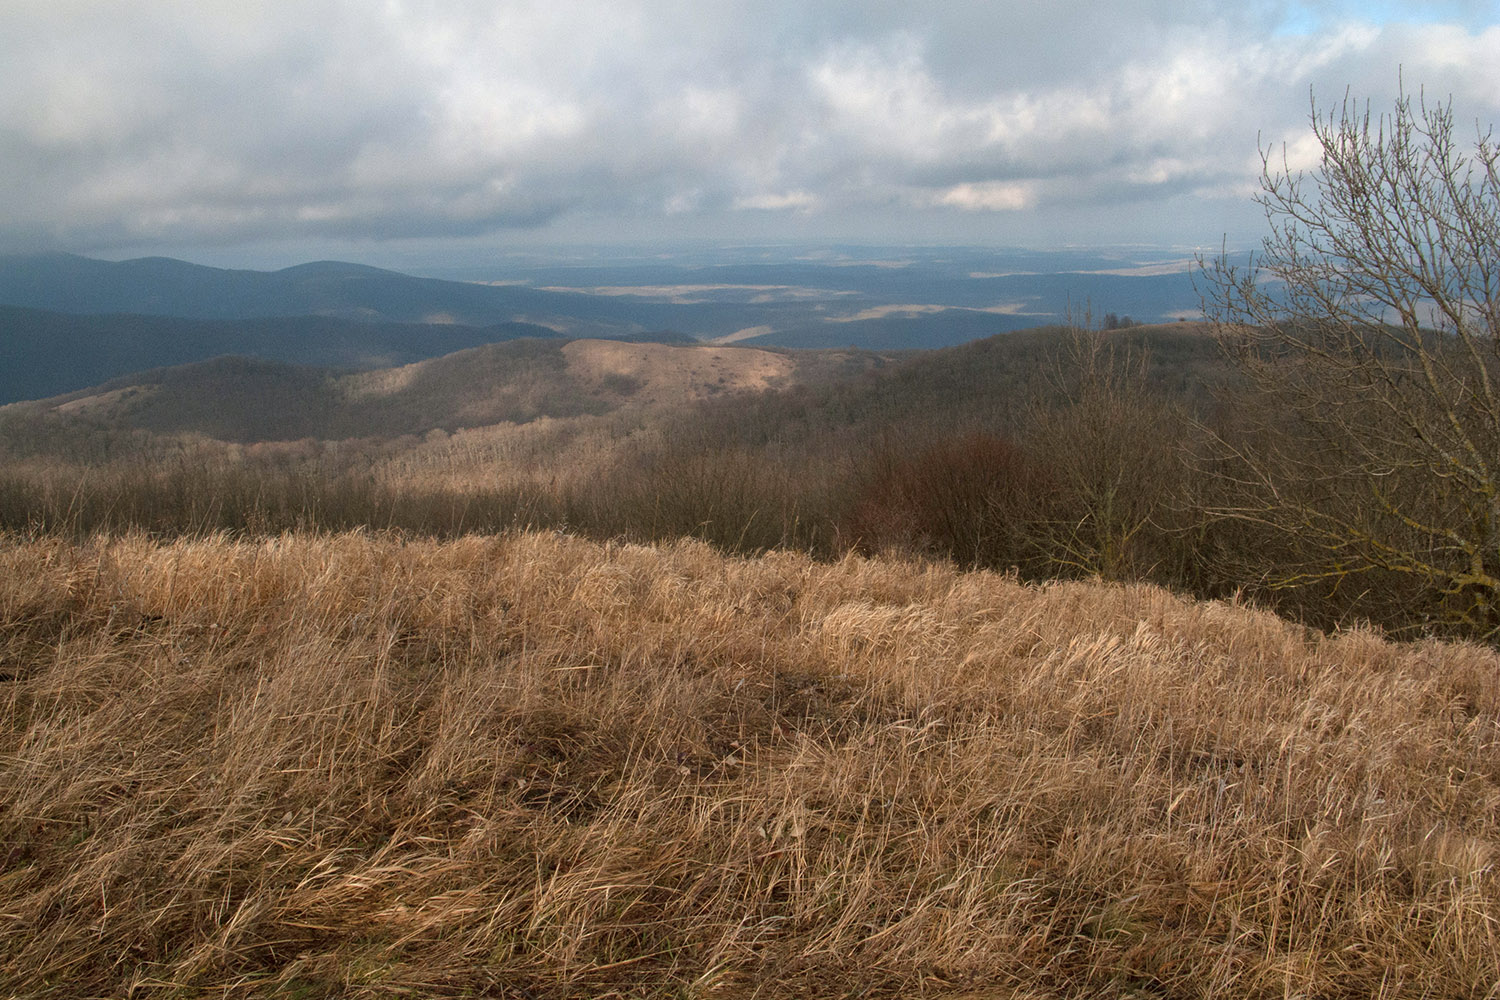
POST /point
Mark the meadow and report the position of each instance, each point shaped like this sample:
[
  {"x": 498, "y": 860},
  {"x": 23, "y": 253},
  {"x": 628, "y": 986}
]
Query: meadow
[{"x": 527, "y": 764}]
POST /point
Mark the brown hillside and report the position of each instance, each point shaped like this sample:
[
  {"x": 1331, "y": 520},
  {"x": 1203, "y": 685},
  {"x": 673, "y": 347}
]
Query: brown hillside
[
  {"x": 517, "y": 381},
  {"x": 669, "y": 373},
  {"x": 531, "y": 766}
]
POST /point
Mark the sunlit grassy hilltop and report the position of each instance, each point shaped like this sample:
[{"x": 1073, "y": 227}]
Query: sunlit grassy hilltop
[{"x": 530, "y": 765}]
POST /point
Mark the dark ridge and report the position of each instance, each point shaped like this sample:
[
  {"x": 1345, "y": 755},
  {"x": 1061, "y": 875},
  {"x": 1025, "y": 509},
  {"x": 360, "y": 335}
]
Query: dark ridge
[{"x": 44, "y": 353}]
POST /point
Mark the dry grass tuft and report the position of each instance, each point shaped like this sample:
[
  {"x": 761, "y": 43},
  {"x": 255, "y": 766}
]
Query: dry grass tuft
[{"x": 531, "y": 766}]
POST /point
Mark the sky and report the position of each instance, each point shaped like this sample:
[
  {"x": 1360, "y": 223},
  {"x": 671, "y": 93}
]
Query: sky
[{"x": 238, "y": 130}]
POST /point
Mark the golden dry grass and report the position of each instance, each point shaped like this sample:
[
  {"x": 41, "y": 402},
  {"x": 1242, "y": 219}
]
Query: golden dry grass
[{"x": 533, "y": 766}]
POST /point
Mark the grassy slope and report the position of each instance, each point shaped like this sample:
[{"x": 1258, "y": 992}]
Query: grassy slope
[{"x": 354, "y": 765}]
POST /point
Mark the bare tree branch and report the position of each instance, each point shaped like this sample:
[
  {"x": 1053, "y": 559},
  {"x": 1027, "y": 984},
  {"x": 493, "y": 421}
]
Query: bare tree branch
[{"x": 1368, "y": 325}]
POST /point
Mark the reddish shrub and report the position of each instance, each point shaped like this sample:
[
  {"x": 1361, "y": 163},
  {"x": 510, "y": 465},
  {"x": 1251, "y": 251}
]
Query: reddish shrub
[{"x": 967, "y": 498}]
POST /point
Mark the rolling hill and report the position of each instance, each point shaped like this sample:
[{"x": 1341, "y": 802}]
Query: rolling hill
[
  {"x": 252, "y": 399},
  {"x": 767, "y": 394}
]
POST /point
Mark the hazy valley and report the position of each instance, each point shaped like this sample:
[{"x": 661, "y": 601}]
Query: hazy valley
[{"x": 70, "y": 322}]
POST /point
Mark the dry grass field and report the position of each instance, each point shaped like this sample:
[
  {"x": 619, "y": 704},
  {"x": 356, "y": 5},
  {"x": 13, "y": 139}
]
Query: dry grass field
[{"x": 532, "y": 766}]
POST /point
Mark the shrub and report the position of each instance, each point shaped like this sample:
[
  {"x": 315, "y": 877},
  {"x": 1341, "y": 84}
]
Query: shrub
[{"x": 969, "y": 498}]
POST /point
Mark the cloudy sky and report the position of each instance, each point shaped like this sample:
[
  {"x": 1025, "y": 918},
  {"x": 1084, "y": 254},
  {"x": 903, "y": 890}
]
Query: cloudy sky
[{"x": 317, "y": 127}]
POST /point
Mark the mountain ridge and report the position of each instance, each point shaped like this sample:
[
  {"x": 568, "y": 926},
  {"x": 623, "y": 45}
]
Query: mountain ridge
[{"x": 44, "y": 353}]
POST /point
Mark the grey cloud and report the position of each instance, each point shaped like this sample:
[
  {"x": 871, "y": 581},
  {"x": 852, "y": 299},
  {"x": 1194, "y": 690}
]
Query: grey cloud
[{"x": 157, "y": 121}]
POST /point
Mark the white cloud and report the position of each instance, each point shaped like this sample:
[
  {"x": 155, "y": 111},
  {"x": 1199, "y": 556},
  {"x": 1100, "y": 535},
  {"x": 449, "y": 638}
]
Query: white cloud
[
  {"x": 800, "y": 201},
  {"x": 988, "y": 196}
]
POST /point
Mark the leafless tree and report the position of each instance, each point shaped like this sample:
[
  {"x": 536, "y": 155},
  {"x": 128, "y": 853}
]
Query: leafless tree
[
  {"x": 1367, "y": 325},
  {"x": 1110, "y": 446}
]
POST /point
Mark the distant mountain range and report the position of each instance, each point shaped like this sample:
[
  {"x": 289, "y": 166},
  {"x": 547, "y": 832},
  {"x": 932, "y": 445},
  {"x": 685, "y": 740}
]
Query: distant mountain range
[
  {"x": 68, "y": 322},
  {"x": 48, "y": 353},
  {"x": 160, "y": 286}
]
